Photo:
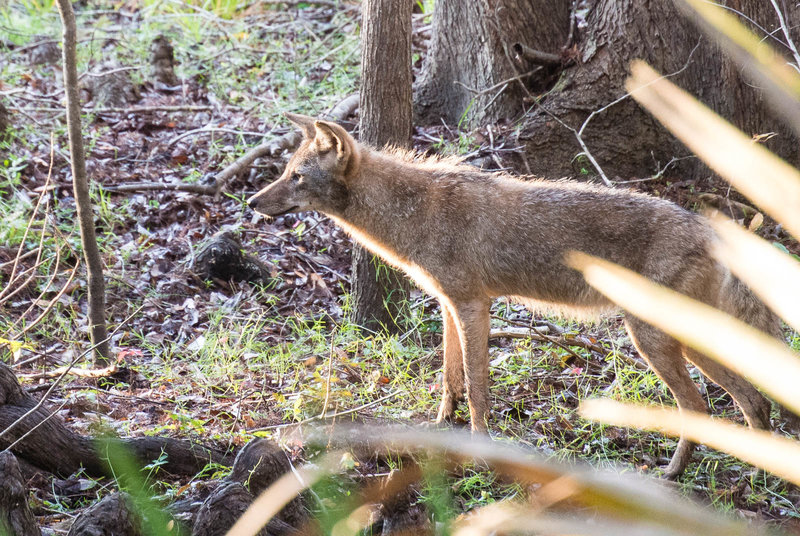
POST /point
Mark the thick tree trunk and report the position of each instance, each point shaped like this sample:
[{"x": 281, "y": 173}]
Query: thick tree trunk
[
  {"x": 625, "y": 141},
  {"x": 471, "y": 60},
  {"x": 83, "y": 203},
  {"x": 379, "y": 291}
]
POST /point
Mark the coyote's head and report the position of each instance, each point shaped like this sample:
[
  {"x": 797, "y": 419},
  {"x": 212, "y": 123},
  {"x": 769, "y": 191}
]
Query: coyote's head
[{"x": 317, "y": 175}]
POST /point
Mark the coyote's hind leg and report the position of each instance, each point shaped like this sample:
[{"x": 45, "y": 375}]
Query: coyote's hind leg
[
  {"x": 665, "y": 356},
  {"x": 753, "y": 404}
]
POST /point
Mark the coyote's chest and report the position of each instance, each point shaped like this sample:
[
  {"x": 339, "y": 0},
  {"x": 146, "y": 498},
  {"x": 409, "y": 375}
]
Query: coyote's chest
[{"x": 417, "y": 273}]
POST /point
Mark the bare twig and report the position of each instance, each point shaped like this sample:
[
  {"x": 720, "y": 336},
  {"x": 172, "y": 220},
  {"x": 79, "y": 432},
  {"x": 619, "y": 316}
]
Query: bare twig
[
  {"x": 563, "y": 342},
  {"x": 328, "y": 381},
  {"x": 163, "y": 186},
  {"x": 18, "y": 258},
  {"x": 785, "y": 29},
  {"x": 211, "y": 130},
  {"x": 328, "y": 3},
  {"x": 12, "y": 278},
  {"x": 579, "y": 132},
  {"x": 330, "y": 415},
  {"x": 536, "y": 56},
  {"x": 767, "y": 33},
  {"x": 148, "y": 109},
  {"x": 477, "y": 92},
  {"x": 49, "y": 305},
  {"x": 344, "y": 108},
  {"x": 107, "y": 73},
  {"x": 79, "y": 372},
  {"x": 83, "y": 202},
  {"x": 31, "y": 46}
]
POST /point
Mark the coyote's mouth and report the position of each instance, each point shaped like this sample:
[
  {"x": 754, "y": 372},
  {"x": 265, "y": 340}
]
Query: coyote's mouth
[{"x": 287, "y": 211}]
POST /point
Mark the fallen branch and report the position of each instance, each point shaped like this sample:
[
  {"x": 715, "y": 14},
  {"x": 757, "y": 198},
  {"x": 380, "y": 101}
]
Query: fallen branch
[
  {"x": 75, "y": 371},
  {"x": 268, "y": 148},
  {"x": 536, "y": 56},
  {"x": 163, "y": 186},
  {"x": 147, "y": 109},
  {"x": 563, "y": 342},
  {"x": 212, "y": 130}
]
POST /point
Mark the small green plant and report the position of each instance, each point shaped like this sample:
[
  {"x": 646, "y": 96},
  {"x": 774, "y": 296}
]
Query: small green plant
[{"x": 129, "y": 479}]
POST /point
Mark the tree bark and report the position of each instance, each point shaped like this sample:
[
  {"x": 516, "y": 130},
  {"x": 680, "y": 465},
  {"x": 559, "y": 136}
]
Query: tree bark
[
  {"x": 257, "y": 466},
  {"x": 626, "y": 141},
  {"x": 378, "y": 291},
  {"x": 16, "y": 518},
  {"x": 467, "y": 75},
  {"x": 94, "y": 263},
  {"x": 113, "y": 514}
]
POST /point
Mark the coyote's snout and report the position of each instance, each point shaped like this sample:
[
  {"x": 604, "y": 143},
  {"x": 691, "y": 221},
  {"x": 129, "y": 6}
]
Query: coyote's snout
[
  {"x": 467, "y": 237},
  {"x": 316, "y": 177}
]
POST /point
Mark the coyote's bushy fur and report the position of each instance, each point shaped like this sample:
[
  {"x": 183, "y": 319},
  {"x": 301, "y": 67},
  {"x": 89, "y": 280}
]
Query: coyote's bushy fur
[{"x": 468, "y": 236}]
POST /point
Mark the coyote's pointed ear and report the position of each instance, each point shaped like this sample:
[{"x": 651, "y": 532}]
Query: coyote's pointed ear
[
  {"x": 332, "y": 138},
  {"x": 305, "y": 123}
]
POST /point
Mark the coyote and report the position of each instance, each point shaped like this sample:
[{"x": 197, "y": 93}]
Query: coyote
[{"x": 468, "y": 236}]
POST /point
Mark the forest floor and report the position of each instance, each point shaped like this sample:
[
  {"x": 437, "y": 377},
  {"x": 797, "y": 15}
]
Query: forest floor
[{"x": 220, "y": 361}]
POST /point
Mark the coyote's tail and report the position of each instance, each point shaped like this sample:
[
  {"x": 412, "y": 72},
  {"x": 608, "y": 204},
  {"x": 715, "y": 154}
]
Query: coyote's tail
[{"x": 738, "y": 300}]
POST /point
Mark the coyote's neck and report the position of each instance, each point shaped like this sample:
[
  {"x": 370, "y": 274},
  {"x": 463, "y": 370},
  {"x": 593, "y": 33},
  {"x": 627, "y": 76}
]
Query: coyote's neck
[{"x": 386, "y": 211}]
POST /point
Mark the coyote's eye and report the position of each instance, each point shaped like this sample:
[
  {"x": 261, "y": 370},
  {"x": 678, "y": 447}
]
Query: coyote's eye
[{"x": 297, "y": 178}]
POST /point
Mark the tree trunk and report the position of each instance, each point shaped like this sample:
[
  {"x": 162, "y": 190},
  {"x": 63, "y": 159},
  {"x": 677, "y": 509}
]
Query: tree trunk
[
  {"x": 385, "y": 103},
  {"x": 625, "y": 140},
  {"x": 470, "y": 63},
  {"x": 80, "y": 184}
]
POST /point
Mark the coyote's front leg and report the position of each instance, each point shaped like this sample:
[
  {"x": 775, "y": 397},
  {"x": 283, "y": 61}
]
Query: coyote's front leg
[
  {"x": 472, "y": 322},
  {"x": 453, "y": 369}
]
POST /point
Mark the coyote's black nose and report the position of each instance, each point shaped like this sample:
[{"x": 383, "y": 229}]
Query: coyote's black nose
[{"x": 252, "y": 202}]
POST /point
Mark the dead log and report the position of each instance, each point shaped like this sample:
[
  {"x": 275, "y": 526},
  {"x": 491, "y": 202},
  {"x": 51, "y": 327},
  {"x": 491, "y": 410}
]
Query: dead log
[
  {"x": 221, "y": 510},
  {"x": 50, "y": 446},
  {"x": 260, "y": 463},
  {"x": 113, "y": 515},
  {"x": 16, "y": 518}
]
